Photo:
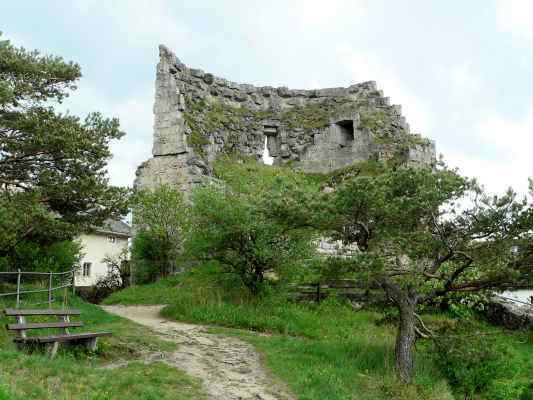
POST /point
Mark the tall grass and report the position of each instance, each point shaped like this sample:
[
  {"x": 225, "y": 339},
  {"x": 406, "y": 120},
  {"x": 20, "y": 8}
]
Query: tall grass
[
  {"x": 325, "y": 351},
  {"x": 322, "y": 351}
]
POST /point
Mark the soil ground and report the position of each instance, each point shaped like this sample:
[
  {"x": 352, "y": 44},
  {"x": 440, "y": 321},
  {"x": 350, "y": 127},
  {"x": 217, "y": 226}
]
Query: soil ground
[{"x": 229, "y": 368}]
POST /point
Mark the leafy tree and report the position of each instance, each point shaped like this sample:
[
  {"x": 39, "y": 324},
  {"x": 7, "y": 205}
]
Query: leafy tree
[
  {"x": 53, "y": 178},
  {"x": 424, "y": 233},
  {"x": 57, "y": 256},
  {"x": 160, "y": 216},
  {"x": 254, "y": 223}
]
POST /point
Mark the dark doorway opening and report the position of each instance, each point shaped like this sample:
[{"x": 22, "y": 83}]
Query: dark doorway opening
[{"x": 346, "y": 130}]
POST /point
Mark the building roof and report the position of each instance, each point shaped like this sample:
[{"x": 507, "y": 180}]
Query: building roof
[{"x": 115, "y": 227}]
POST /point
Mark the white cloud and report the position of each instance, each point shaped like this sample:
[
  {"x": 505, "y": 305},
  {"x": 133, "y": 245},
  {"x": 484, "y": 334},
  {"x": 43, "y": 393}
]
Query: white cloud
[
  {"x": 140, "y": 23},
  {"x": 464, "y": 79},
  {"x": 512, "y": 140},
  {"x": 135, "y": 114},
  {"x": 365, "y": 66},
  {"x": 515, "y": 16},
  {"x": 327, "y": 14}
]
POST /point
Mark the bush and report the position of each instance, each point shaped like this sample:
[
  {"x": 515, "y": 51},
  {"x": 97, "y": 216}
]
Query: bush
[
  {"x": 507, "y": 389},
  {"x": 117, "y": 278},
  {"x": 4, "y": 395},
  {"x": 33, "y": 256},
  {"x": 474, "y": 361},
  {"x": 152, "y": 257}
]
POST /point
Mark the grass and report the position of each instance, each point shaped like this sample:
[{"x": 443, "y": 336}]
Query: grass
[
  {"x": 326, "y": 351},
  {"x": 161, "y": 292},
  {"x": 77, "y": 374}
]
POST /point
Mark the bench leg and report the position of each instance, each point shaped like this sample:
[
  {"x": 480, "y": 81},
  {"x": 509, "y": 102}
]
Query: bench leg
[
  {"x": 52, "y": 349},
  {"x": 92, "y": 343}
]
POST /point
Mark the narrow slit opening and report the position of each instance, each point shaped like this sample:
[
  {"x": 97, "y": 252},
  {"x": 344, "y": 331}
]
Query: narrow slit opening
[{"x": 267, "y": 159}]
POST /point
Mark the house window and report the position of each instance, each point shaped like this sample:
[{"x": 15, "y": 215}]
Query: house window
[
  {"x": 87, "y": 269},
  {"x": 111, "y": 239}
]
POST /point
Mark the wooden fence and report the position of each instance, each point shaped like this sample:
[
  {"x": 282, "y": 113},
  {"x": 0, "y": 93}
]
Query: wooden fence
[
  {"x": 67, "y": 280},
  {"x": 318, "y": 291}
]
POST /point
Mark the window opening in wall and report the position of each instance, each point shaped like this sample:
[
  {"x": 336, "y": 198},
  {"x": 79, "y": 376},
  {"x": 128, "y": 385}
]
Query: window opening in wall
[
  {"x": 266, "y": 154},
  {"x": 111, "y": 239},
  {"x": 346, "y": 129},
  {"x": 87, "y": 269}
]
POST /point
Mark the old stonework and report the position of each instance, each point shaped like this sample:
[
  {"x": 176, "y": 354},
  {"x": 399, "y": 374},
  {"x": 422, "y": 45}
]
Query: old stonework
[{"x": 199, "y": 116}]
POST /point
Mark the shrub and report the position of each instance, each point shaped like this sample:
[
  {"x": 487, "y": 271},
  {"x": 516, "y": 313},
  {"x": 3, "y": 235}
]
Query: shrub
[
  {"x": 507, "y": 389},
  {"x": 33, "y": 256},
  {"x": 473, "y": 361},
  {"x": 151, "y": 256}
]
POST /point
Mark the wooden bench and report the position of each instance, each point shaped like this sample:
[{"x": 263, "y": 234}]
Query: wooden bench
[{"x": 89, "y": 340}]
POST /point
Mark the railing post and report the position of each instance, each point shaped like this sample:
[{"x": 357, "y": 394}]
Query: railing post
[
  {"x": 73, "y": 281},
  {"x": 18, "y": 288},
  {"x": 50, "y": 289}
]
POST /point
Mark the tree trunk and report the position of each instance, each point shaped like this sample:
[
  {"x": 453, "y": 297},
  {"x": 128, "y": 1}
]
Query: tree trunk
[{"x": 406, "y": 337}]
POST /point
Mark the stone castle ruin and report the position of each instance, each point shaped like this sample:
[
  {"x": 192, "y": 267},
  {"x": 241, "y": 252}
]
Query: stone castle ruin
[{"x": 199, "y": 116}]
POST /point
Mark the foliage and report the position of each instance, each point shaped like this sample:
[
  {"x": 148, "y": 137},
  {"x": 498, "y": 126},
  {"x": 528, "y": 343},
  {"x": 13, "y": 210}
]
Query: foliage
[
  {"x": 117, "y": 278},
  {"x": 255, "y": 223},
  {"x": 151, "y": 257},
  {"x": 164, "y": 291},
  {"x": 424, "y": 233},
  {"x": 31, "y": 256},
  {"x": 160, "y": 216},
  {"x": 478, "y": 362},
  {"x": 321, "y": 351},
  {"x": 53, "y": 177}
]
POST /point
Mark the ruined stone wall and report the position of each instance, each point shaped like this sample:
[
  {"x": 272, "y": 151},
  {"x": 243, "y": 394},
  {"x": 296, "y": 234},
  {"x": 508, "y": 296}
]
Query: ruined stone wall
[{"x": 199, "y": 116}]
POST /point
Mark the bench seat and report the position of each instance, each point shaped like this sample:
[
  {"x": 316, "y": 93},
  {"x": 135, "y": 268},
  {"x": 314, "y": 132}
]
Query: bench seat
[
  {"x": 61, "y": 338},
  {"x": 88, "y": 339}
]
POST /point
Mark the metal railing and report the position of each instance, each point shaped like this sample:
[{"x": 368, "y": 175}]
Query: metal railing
[{"x": 68, "y": 276}]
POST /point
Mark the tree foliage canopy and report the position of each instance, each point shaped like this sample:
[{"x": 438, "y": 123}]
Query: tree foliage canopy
[
  {"x": 53, "y": 177},
  {"x": 160, "y": 217},
  {"x": 255, "y": 222},
  {"x": 423, "y": 233}
]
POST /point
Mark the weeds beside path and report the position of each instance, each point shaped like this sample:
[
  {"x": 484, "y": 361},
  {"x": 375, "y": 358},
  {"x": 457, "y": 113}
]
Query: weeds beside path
[{"x": 228, "y": 367}]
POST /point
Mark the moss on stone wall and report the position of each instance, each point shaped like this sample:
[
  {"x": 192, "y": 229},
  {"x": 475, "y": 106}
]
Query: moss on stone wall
[
  {"x": 238, "y": 128},
  {"x": 205, "y": 119},
  {"x": 309, "y": 117}
]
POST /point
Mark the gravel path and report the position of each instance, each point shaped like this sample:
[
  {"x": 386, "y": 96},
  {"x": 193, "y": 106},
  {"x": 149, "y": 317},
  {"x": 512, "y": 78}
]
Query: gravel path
[{"x": 229, "y": 368}]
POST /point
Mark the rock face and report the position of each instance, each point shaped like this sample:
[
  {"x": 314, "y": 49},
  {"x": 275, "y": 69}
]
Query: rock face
[
  {"x": 510, "y": 314},
  {"x": 198, "y": 116}
]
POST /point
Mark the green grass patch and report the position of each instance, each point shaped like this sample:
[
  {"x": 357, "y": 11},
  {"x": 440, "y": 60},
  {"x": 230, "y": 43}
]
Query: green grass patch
[
  {"x": 164, "y": 291},
  {"x": 78, "y": 374},
  {"x": 327, "y": 351}
]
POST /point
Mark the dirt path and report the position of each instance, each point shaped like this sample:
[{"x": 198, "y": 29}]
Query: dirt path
[{"x": 229, "y": 368}]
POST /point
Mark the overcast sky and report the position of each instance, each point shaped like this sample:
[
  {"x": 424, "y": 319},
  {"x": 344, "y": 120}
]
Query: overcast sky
[{"x": 462, "y": 70}]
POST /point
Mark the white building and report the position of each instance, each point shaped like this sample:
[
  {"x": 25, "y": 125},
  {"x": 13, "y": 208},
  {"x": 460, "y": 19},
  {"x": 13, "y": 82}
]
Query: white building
[{"x": 110, "y": 240}]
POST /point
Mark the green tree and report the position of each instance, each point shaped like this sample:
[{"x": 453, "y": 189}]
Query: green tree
[
  {"x": 254, "y": 222},
  {"x": 424, "y": 233},
  {"x": 53, "y": 177},
  {"x": 160, "y": 217}
]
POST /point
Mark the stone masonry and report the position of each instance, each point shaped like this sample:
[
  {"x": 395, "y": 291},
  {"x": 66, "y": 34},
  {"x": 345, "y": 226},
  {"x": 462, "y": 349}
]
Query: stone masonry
[{"x": 199, "y": 116}]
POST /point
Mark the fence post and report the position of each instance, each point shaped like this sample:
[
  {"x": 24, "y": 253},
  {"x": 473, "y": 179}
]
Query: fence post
[
  {"x": 18, "y": 288},
  {"x": 73, "y": 281},
  {"x": 318, "y": 292},
  {"x": 50, "y": 289}
]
